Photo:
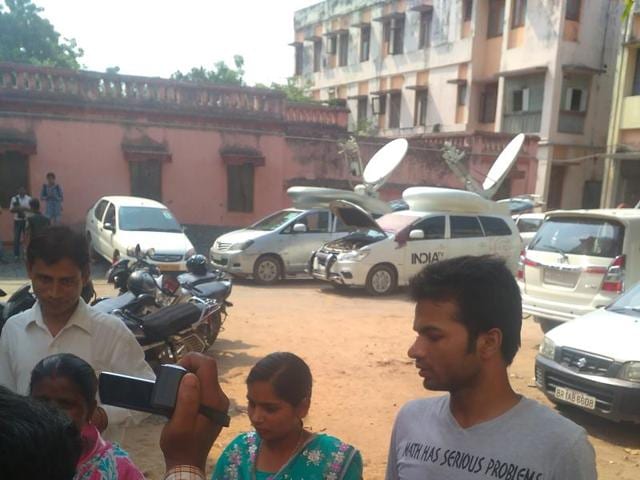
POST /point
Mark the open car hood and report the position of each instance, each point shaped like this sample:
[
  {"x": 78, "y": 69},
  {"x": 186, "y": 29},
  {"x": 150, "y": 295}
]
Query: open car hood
[{"x": 354, "y": 216}]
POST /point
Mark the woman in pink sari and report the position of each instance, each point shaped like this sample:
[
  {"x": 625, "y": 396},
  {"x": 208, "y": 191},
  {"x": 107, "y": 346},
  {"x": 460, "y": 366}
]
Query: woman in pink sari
[{"x": 69, "y": 382}]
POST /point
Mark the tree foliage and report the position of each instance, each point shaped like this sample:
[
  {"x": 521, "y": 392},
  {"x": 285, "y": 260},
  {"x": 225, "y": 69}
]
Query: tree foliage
[
  {"x": 222, "y": 74},
  {"x": 26, "y": 37},
  {"x": 291, "y": 90}
]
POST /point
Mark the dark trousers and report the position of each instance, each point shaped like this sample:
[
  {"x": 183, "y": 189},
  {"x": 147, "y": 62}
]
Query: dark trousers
[{"x": 18, "y": 235}]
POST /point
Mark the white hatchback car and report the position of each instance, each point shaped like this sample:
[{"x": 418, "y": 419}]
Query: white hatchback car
[
  {"x": 116, "y": 224},
  {"x": 578, "y": 261},
  {"x": 593, "y": 362}
]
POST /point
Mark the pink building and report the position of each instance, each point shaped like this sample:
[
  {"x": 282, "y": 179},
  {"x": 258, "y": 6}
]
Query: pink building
[{"x": 216, "y": 156}]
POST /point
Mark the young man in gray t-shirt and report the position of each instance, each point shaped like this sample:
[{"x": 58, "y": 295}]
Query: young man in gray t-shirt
[{"x": 468, "y": 318}]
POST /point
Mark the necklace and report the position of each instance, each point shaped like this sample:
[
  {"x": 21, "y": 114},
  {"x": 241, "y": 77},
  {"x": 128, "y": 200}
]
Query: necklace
[{"x": 291, "y": 456}]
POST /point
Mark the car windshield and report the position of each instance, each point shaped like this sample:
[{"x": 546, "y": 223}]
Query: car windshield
[
  {"x": 275, "y": 221},
  {"x": 394, "y": 222},
  {"x": 147, "y": 219},
  {"x": 593, "y": 237},
  {"x": 628, "y": 303}
]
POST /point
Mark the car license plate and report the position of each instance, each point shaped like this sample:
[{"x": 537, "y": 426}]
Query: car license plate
[
  {"x": 575, "y": 398},
  {"x": 562, "y": 278}
]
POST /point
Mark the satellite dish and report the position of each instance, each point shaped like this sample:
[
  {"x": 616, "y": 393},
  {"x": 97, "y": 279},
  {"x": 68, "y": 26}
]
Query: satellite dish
[
  {"x": 379, "y": 168},
  {"x": 501, "y": 167},
  {"x": 383, "y": 163}
]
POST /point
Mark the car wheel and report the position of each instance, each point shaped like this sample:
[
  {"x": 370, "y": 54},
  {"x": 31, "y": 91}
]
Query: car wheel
[
  {"x": 382, "y": 280},
  {"x": 267, "y": 270},
  {"x": 546, "y": 324}
]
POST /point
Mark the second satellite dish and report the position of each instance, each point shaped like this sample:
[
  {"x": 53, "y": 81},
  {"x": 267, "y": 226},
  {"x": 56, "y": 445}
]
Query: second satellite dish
[{"x": 503, "y": 164}]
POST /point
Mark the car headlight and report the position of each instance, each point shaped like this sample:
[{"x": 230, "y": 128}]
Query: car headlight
[
  {"x": 242, "y": 245},
  {"x": 547, "y": 348},
  {"x": 190, "y": 253},
  {"x": 630, "y": 371},
  {"x": 354, "y": 256}
]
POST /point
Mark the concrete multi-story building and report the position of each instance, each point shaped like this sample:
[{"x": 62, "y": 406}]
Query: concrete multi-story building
[
  {"x": 622, "y": 163},
  {"x": 417, "y": 67}
]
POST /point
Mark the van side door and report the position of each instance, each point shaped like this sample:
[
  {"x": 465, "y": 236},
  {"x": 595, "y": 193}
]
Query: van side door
[
  {"x": 467, "y": 236},
  {"x": 430, "y": 249},
  {"x": 302, "y": 244}
]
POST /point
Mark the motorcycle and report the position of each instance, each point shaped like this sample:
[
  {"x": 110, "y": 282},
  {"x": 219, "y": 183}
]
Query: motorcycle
[
  {"x": 21, "y": 300},
  {"x": 169, "y": 333}
]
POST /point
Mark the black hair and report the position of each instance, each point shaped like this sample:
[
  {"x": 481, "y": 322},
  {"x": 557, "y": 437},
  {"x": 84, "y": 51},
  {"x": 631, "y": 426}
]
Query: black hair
[
  {"x": 288, "y": 374},
  {"x": 36, "y": 440},
  {"x": 34, "y": 204},
  {"x": 485, "y": 292},
  {"x": 71, "y": 367},
  {"x": 51, "y": 174},
  {"x": 55, "y": 243}
]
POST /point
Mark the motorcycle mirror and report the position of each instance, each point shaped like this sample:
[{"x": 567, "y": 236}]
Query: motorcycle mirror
[{"x": 3, "y": 293}]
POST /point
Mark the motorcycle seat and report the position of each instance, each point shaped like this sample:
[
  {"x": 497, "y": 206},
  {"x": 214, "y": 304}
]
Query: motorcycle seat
[
  {"x": 115, "y": 303},
  {"x": 170, "y": 320},
  {"x": 217, "y": 290}
]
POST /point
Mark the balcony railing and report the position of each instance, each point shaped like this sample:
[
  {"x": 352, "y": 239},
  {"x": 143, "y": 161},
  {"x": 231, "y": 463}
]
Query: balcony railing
[{"x": 44, "y": 85}]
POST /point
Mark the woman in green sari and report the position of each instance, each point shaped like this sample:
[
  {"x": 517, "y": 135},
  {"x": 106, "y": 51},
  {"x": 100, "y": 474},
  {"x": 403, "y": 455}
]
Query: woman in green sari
[{"x": 280, "y": 448}]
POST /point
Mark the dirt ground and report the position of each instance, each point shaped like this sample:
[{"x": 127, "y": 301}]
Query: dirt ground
[{"x": 356, "y": 347}]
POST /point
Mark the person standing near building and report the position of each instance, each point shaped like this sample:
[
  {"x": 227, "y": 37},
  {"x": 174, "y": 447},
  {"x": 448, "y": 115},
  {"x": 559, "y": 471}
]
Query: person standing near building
[
  {"x": 52, "y": 194},
  {"x": 36, "y": 221},
  {"x": 20, "y": 208},
  {"x": 468, "y": 318}
]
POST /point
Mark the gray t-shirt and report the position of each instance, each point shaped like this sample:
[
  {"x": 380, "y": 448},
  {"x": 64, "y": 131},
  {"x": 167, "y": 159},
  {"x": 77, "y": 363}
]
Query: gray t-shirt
[{"x": 528, "y": 442}]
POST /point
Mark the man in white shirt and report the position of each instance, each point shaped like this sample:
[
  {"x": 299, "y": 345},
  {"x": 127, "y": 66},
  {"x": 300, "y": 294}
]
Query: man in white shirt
[
  {"x": 61, "y": 322},
  {"x": 20, "y": 208},
  {"x": 468, "y": 318}
]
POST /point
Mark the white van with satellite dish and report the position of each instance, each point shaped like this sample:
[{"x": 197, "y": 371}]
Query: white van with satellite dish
[
  {"x": 440, "y": 223},
  {"x": 280, "y": 245}
]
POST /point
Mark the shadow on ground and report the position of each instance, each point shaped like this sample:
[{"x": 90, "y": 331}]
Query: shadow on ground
[{"x": 625, "y": 434}]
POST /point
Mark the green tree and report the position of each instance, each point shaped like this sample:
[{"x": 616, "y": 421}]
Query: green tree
[
  {"x": 222, "y": 74},
  {"x": 26, "y": 37},
  {"x": 628, "y": 6},
  {"x": 291, "y": 90}
]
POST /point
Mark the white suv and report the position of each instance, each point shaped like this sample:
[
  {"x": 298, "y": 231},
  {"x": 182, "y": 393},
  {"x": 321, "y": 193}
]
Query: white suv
[
  {"x": 442, "y": 223},
  {"x": 578, "y": 261}
]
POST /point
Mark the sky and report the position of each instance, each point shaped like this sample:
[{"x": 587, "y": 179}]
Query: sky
[{"x": 158, "y": 37}]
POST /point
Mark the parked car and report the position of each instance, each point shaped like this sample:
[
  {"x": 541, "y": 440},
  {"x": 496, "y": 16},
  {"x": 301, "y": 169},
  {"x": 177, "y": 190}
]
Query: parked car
[
  {"x": 593, "y": 362},
  {"x": 578, "y": 261},
  {"x": 115, "y": 225},
  {"x": 277, "y": 246},
  {"x": 528, "y": 224},
  {"x": 385, "y": 253}
]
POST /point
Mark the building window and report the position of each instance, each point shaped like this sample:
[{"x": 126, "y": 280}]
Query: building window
[
  {"x": 397, "y": 28},
  {"x": 573, "y": 10},
  {"x": 518, "y": 14},
  {"x": 146, "y": 179},
  {"x": 488, "y": 103},
  {"x": 365, "y": 43},
  {"x": 298, "y": 70},
  {"x": 635, "y": 88},
  {"x": 317, "y": 55},
  {"x": 394, "y": 110},
  {"x": 462, "y": 95},
  {"x": 379, "y": 104},
  {"x": 496, "y": 18},
  {"x": 421, "y": 108},
  {"x": 520, "y": 100},
  {"x": 13, "y": 175},
  {"x": 386, "y": 37},
  {"x": 426, "y": 19},
  {"x": 575, "y": 100},
  {"x": 240, "y": 187},
  {"x": 332, "y": 44},
  {"x": 343, "y": 41},
  {"x": 363, "y": 105},
  {"x": 467, "y": 10}
]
